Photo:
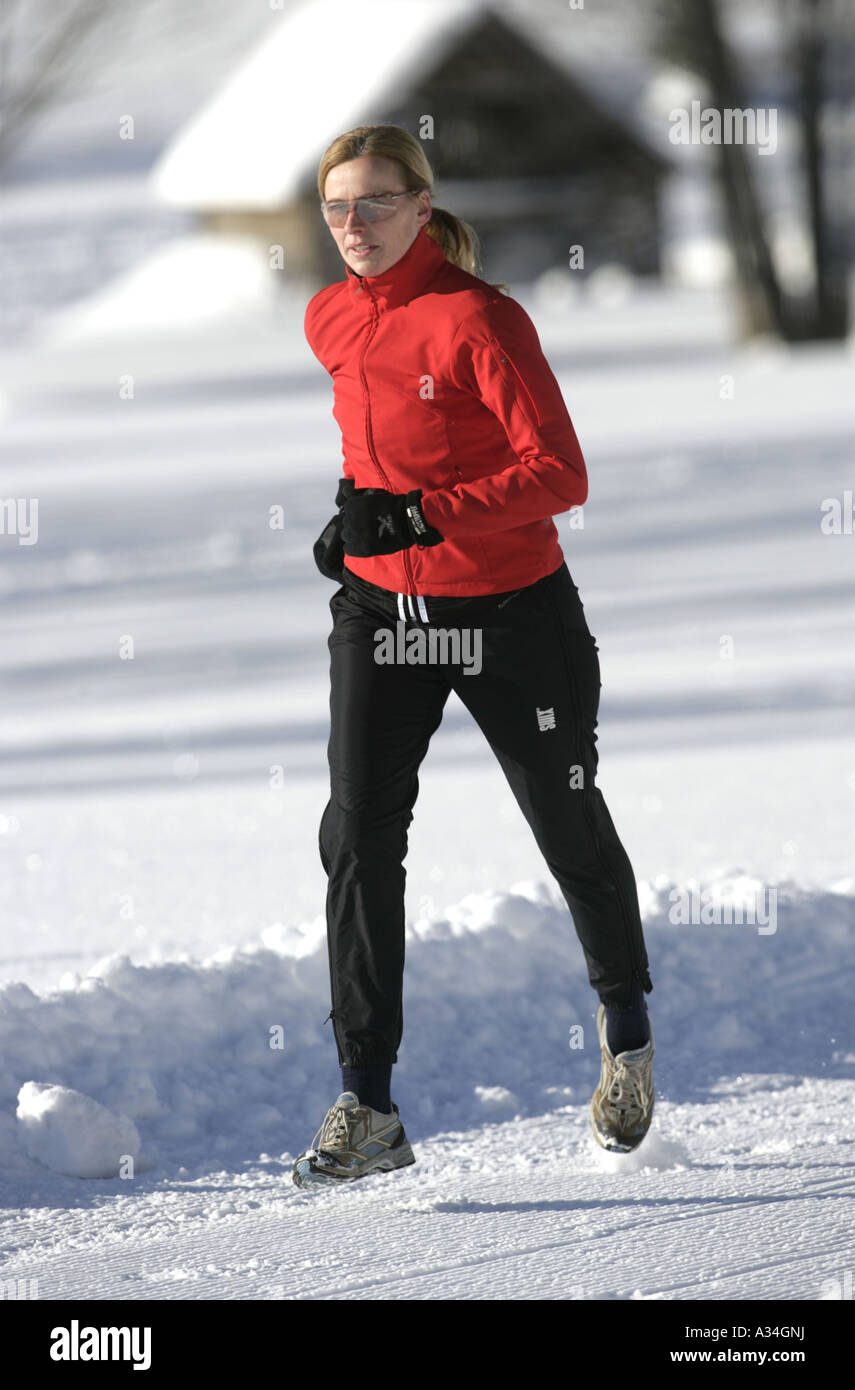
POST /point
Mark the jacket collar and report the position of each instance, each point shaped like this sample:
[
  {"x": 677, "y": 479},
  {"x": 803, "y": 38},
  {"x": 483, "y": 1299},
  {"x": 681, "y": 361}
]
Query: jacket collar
[{"x": 403, "y": 280}]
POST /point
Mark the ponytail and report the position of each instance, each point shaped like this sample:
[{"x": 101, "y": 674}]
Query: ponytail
[{"x": 458, "y": 241}]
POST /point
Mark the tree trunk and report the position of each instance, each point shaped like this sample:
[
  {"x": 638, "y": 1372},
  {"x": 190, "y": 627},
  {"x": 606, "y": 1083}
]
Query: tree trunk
[{"x": 827, "y": 313}]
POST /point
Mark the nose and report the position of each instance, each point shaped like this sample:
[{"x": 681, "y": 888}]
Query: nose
[{"x": 352, "y": 219}]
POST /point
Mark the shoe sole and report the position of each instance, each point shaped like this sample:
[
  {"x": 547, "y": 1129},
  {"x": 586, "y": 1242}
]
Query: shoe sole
[{"x": 617, "y": 1146}]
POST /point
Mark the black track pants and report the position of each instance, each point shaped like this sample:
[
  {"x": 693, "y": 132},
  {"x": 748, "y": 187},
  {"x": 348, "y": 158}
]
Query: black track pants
[{"x": 535, "y": 697}]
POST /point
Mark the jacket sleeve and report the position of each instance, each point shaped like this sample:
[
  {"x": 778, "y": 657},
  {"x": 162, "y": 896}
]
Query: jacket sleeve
[
  {"x": 309, "y": 327},
  {"x": 496, "y": 355},
  {"x": 314, "y": 312}
]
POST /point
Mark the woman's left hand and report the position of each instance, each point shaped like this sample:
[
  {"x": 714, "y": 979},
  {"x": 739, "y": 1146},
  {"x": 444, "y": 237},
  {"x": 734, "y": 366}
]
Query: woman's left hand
[{"x": 376, "y": 522}]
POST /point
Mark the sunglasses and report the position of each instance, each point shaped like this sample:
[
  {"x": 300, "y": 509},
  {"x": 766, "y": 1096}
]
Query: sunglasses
[{"x": 377, "y": 207}]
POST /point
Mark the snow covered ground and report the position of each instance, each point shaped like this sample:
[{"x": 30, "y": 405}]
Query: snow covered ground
[{"x": 163, "y": 897}]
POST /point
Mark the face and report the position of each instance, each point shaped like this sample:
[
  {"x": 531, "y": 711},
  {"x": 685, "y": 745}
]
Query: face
[{"x": 369, "y": 248}]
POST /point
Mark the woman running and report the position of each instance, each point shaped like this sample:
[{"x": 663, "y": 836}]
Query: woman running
[{"x": 457, "y": 452}]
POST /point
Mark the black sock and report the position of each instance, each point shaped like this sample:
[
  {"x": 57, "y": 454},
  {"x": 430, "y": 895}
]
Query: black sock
[
  {"x": 371, "y": 1084},
  {"x": 628, "y": 1029}
]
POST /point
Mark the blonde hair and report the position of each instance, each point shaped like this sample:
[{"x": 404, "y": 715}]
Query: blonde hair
[{"x": 458, "y": 241}]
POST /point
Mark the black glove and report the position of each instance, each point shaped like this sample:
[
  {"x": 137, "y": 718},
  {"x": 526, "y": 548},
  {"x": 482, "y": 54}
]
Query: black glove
[
  {"x": 376, "y": 522},
  {"x": 328, "y": 549}
]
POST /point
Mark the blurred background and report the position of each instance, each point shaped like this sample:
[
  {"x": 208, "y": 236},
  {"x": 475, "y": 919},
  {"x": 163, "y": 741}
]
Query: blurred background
[
  {"x": 169, "y": 454},
  {"x": 125, "y": 130}
]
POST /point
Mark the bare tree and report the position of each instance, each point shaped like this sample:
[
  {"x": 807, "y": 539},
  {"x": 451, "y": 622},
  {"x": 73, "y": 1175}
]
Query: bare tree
[
  {"x": 44, "y": 49},
  {"x": 691, "y": 32},
  {"x": 828, "y": 314}
]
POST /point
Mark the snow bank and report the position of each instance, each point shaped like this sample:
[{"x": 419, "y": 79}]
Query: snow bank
[
  {"x": 73, "y": 1134},
  {"x": 192, "y": 280},
  {"x": 221, "y": 1060}
]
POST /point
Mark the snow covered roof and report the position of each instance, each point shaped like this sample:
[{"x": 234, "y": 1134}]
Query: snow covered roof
[{"x": 324, "y": 65}]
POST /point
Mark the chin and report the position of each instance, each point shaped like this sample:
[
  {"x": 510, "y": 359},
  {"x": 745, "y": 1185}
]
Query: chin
[{"x": 369, "y": 265}]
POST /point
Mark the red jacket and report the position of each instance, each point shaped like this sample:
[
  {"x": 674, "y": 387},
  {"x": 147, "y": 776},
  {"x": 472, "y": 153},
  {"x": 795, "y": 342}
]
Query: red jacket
[{"x": 440, "y": 383}]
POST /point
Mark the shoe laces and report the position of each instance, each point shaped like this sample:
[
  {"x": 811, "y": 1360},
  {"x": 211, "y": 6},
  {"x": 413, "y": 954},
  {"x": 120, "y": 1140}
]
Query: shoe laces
[
  {"x": 334, "y": 1133},
  {"x": 625, "y": 1094}
]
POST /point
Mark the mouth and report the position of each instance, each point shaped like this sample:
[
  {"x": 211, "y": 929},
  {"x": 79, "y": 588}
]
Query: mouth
[{"x": 364, "y": 249}]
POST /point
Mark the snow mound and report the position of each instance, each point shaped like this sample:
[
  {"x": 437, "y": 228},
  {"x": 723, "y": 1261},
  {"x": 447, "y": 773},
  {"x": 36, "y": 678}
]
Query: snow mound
[
  {"x": 654, "y": 1153},
  {"x": 73, "y": 1134},
  {"x": 222, "y": 1060},
  {"x": 189, "y": 282}
]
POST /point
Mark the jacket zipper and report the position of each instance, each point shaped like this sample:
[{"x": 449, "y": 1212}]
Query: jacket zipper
[{"x": 375, "y": 319}]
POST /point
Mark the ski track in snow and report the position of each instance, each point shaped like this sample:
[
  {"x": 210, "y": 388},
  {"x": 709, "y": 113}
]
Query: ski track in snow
[{"x": 515, "y": 1211}]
